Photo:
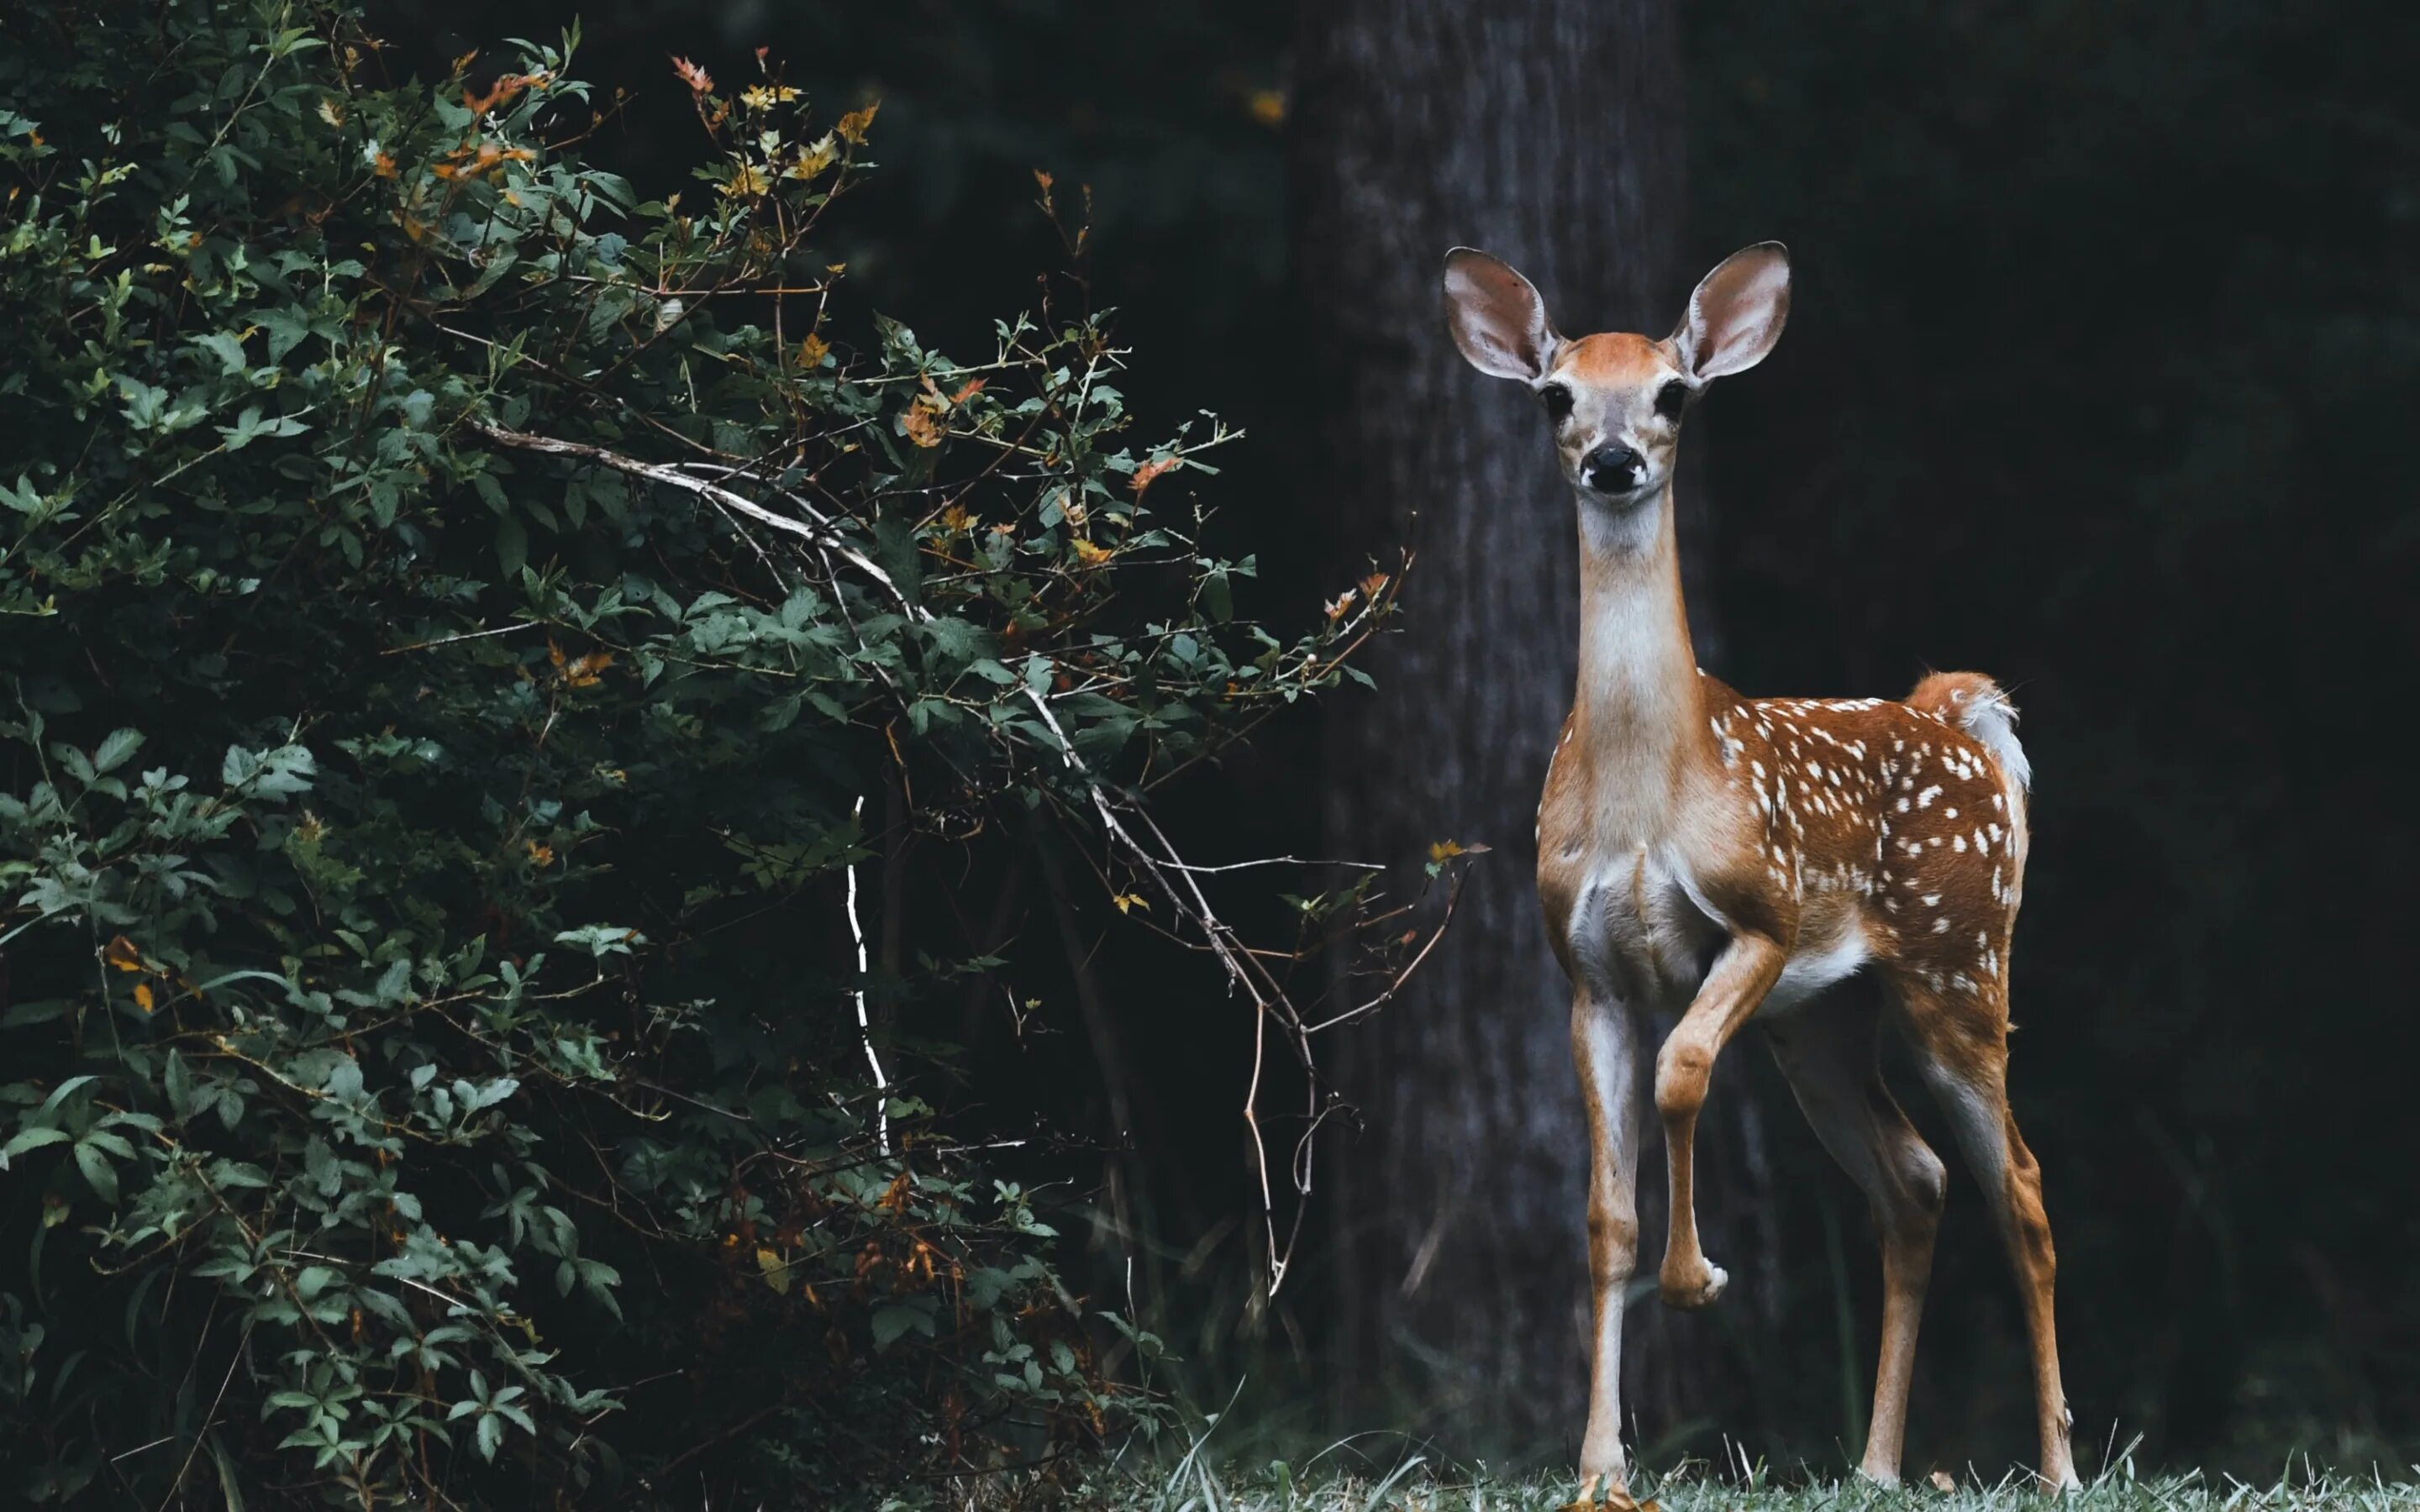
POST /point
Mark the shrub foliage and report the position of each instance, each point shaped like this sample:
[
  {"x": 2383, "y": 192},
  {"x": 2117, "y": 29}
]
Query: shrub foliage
[{"x": 465, "y": 630}]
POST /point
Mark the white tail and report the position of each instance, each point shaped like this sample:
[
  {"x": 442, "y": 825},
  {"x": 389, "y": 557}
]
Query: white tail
[{"x": 1789, "y": 841}]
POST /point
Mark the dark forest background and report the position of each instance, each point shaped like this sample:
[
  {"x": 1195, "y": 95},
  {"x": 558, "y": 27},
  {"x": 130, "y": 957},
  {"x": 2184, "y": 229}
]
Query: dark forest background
[{"x": 2101, "y": 378}]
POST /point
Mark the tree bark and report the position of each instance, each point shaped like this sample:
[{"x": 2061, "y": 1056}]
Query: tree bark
[{"x": 1546, "y": 132}]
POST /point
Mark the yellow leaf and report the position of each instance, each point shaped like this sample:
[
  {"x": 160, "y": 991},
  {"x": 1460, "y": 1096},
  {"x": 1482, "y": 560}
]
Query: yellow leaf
[
  {"x": 852, "y": 126},
  {"x": 332, "y": 112},
  {"x": 956, "y": 520},
  {"x": 120, "y": 952},
  {"x": 584, "y": 673},
  {"x": 813, "y": 351},
  {"x": 812, "y": 161},
  {"x": 143, "y": 995},
  {"x": 1266, "y": 107},
  {"x": 1089, "y": 554},
  {"x": 541, "y": 854},
  {"x": 1126, "y": 901},
  {"x": 747, "y": 182},
  {"x": 776, "y": 1275},
  {"x": 766, "y": 96},
  {"x": 1443, "y": 850}
]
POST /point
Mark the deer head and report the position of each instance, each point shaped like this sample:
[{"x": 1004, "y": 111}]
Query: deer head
[{"x": 1616, "y": 400}]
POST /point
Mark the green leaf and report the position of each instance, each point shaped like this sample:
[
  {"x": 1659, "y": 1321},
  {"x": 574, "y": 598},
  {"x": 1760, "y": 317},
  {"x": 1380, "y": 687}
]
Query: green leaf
[
  {"x": 31, "y": 1139},
  {"x": 512, "y": 545},
  {"x": 890, "y": 1322},
  {"x": 114, "y": 749},
  {"x": 97, "y": 1172},
  {"x": 178, "y": 1080}
]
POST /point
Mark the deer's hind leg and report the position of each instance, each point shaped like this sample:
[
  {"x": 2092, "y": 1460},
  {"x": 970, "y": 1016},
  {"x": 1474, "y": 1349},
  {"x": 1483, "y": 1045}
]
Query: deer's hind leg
[
  {"x": 1829, "y": 1052},
  {"x": 1960, "y": 1038}
]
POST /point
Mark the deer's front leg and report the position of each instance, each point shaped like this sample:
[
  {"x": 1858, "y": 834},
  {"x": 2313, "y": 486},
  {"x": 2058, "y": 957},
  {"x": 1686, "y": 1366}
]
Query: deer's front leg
[
  {"x": 1742, "y": 975},
  {"x": 1606, "y": 1044}
]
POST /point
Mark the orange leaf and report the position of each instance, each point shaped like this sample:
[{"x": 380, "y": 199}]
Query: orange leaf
[
  {"x": 924, "y": 422},
  {"x": 1373, "y": 584},
  {"x": 143, "y": 995},
  {"x": 971, "y": 388},
  {"x": 120, "y": 952},
  {"x": 698, "y": 80},
  {"x": 813, "y": 351},
  {"x": 1149, "y": 470}
]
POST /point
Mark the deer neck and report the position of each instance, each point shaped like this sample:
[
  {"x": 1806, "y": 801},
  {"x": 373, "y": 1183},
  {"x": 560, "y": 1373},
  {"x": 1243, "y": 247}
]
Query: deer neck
[{"x": 1638, "y": 711}]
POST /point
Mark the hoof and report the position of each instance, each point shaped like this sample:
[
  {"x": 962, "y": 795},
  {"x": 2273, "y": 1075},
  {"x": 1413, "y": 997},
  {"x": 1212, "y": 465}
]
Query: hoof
[{"x": 1691, "y": 1293}]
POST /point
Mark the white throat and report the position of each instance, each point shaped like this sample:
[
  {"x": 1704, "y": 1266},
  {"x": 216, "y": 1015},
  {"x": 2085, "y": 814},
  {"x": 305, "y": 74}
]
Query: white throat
[{"x": 1638, "y": 702}]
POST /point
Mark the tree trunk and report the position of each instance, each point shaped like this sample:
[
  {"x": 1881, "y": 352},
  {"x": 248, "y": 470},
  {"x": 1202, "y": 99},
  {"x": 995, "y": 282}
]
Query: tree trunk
[{"x": 1547, "y": 132}]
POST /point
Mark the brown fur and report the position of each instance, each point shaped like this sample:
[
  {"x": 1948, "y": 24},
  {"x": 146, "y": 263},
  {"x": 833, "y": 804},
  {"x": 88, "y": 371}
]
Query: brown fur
[{"x": 1613, "y": 359}]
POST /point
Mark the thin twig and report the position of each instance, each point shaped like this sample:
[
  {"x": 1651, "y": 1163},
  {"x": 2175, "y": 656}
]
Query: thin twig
[
  {"x": 865, "y": 1026},
  {"x": 822, "y": 537}
]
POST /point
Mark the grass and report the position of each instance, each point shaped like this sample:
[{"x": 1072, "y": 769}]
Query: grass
[
  {"x": 1415, "y": 1487},
  {"x": 1344, "y": 1477}
]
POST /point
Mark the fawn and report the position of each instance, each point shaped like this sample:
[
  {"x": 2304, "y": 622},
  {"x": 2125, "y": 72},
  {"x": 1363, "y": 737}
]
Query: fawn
[{"x": 1730, "y": 858}]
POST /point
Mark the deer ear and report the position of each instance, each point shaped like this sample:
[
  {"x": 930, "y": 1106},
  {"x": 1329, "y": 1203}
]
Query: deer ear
[
  {"x": 1497, "y": 318},
  {"x": 1737, "y": 311}
]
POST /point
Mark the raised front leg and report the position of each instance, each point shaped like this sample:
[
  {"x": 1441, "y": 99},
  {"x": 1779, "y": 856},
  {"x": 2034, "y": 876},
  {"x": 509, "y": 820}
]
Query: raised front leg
[
  {"x": 1607, "y": 1047},
  {"x": 1742, "y": 974}
]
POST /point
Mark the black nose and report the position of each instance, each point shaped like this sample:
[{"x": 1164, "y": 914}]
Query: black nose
[{"x": 1615, "y": 469}]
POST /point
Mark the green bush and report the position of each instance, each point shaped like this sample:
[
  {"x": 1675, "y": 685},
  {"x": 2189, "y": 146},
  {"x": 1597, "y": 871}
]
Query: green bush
[{"x": 464, "y": 629}]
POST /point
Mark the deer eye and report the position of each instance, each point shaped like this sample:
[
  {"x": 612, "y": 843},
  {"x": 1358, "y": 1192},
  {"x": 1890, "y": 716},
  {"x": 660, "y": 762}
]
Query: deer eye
[
  {"x": 1557, "y": 400},
  {"x": 1671, "y": 400}
]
